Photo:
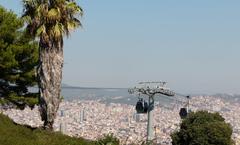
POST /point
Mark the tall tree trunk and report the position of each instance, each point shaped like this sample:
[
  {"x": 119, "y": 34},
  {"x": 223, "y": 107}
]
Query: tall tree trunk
[{"x": 50, "y": 77}]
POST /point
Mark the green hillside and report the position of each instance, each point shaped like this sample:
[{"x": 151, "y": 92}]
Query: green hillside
[{"x": 13, "y": 134}]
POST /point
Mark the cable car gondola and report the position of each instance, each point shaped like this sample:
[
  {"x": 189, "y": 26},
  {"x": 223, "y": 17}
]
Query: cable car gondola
[
  {"x": 185, "y": 110},
  {"x": 141, "y": 106},
  {"x": 183, "y": 113},
  {"x": 145, "y": 107}
]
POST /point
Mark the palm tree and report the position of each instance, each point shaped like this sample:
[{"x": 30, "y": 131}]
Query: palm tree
[{"x": 49, "y": 21}]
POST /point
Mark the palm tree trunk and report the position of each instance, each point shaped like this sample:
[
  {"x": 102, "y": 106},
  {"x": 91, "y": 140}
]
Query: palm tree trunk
[{"x": 50, "y": 77}]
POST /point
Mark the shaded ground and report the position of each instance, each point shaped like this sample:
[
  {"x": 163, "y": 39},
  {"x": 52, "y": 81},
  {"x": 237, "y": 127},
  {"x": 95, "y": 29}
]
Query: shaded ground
[{"x": 13, "y": 134}]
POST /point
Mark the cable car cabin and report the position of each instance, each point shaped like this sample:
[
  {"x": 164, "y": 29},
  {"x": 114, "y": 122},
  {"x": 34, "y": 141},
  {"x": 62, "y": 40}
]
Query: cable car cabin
[
  {"x": 141, "y": 106},
  {"x": 145, "y": 107},
  {"x": 183, "y": 113}
]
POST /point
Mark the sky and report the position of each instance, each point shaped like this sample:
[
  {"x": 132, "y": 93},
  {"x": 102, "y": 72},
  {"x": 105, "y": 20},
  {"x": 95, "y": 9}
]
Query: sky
[{"x": 193, "y": 45}]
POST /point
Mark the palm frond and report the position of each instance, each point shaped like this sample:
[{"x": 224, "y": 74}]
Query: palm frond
[
  {"x": 58, "y": 30},
  {"x": 41, "y": 10},
  {"x": 51, "y": 18},
  {"x": 73, "y": 24},
  {"x": 54, "y": 14},
  {"x": 74, "y": 9},
  {"x": 40, "y": 30}
]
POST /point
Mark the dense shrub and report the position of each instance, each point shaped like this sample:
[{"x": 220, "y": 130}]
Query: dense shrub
[
  {"x": 108, "y": 139},
  {"x": 203, "y": 128}
]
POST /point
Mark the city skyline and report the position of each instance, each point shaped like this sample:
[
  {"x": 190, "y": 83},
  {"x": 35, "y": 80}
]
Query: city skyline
[
  {"x": 192, "y": 45},
  {"x": 121, "y": 120}
]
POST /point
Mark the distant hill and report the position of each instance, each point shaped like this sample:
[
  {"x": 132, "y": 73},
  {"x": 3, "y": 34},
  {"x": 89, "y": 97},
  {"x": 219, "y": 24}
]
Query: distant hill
[
  {"x": 66, "y": 85},
  {"x": 77, "y": 87},
  {"x": 229, "y": 97}
]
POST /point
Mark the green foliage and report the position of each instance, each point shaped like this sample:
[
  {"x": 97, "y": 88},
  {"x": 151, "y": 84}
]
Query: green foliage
[
  {"x": 12, "y": 134},
  {"x": 203, "y": 128},
  {"x": 18, "y": 60},
  {"x": 108, "y": 139},
  {"x": 51, "y": 20}
]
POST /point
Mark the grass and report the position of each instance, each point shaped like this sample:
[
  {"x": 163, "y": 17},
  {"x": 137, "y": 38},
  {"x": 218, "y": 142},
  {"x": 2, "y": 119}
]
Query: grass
[{"x": 13, "y": 134}]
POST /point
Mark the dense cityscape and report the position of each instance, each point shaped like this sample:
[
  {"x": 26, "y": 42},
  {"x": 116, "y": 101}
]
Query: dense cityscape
[{"x": 93, "y": 119}]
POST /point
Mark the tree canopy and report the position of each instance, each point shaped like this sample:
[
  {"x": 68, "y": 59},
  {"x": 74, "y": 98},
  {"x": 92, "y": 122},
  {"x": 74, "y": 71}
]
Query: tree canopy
[
  {"x": 18, "y": 60},
  {"x": 203, "y": 128}
]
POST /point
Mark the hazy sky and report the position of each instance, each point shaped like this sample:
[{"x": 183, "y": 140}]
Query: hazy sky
[{"x": 193, "y": 45}]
